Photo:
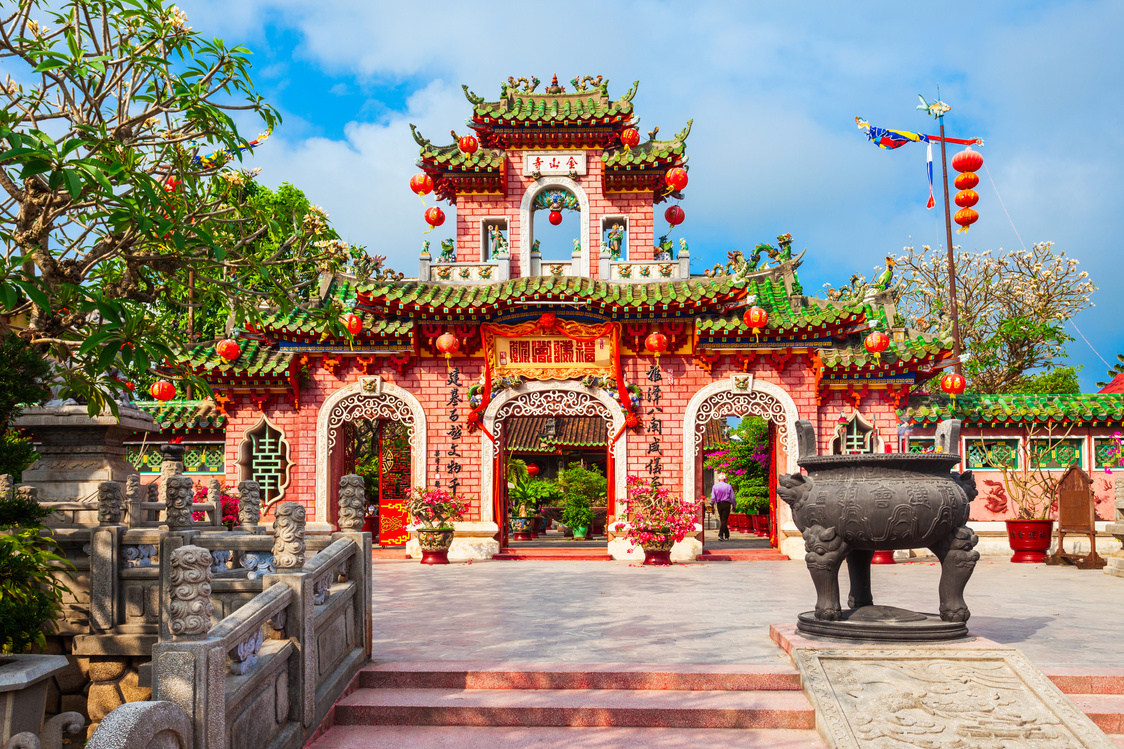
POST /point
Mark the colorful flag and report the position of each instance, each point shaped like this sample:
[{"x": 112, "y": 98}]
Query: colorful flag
[{"x": 929, "y": 169}]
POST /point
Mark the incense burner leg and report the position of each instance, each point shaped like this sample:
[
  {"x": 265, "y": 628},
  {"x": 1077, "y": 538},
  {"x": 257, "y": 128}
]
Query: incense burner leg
[
  {"x": 958, "y": 561},
  {"x": 858, "y": 569},
  {"x": 825, "y": 554}
]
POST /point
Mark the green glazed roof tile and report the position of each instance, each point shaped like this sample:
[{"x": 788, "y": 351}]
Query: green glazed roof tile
[
  {"x": 1017, "y": 410},
  {"x": 183, "y": 414},
  {"x": 257, "y": 359}
]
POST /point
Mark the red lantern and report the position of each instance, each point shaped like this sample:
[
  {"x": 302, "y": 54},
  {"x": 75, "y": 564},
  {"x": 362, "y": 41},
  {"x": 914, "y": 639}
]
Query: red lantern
[
  {"x": 228, "y": 349},
  {"x": 965, "y": 217},
  {"x": 676, "y": 178},
  {"x": 468, "y": 144},
  {"x": 656, "y": 343},
  {"x": 434, "y": 217},
  {"x": 953, "y": 384},
  {"x": 967, "y": 198},
  {"x": 630, "y": 137},
  {"x": 876, "y": 343},
  {"x": 448, "y": 344},
  {"x": 422, "y": 184},
  {"x": 674, "y": 215},
  {"x": 353, "y": 322},
  {"x": 532, "y": 469},
  {"x": 555, "y": 218},
  {"x": 966, "y": 181},
  {"x": 756, "y": 319},
  {"x": 162, "y": 390},
  {"x": 967, "y": 161}
]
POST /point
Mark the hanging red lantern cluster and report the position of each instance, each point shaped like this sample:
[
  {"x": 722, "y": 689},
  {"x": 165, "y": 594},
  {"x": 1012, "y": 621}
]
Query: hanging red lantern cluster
[
  {"x": 352, "y": 322},
  {"x": 656, "y": 343},
  {"x": 468, "y": 144},
  {"x": 967, "y": 162},
  {"x": 228, "y": 349},
  {"x": 954, "y": 384},
  {"x": 555, "y": 218},
  {"x": 876, "y": 343},
  {"x": 630, "y": 138},
  {"x": 162, "y": 390},
  {"x": 676, "y": 179},
  {"x": 674, "y": 215},
  {"x": 756, "y": 319}
]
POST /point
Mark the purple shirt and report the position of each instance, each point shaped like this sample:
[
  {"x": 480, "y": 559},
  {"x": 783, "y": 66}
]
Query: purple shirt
[{"x": 722, "y": 492}]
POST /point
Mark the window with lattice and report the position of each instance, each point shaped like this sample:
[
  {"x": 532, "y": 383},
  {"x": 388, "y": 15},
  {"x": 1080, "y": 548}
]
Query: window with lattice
[
  {"x": 855, "y": 437},
  {"x": 1048, "y": 453},
  {"x": 1107, "y": 453},
  {"x": 994, "y": 454},
  {"x": 263, "y": 457},
  {"x": 922, "y": 445}
]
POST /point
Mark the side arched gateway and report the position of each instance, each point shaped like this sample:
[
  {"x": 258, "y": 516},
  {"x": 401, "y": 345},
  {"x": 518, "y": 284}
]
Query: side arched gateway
[
  {"x": 740, "y": 395},
  {"x": 370, "y": 398},
  {"x": 547, "y": 398}
]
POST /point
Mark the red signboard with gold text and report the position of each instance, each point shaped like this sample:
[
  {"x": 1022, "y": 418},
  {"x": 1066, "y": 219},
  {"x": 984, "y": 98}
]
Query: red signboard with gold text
[{"x": 561, "y": 350}]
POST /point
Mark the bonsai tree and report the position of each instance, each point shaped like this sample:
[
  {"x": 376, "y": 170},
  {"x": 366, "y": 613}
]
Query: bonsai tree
[{"x": 30, "y": 593}]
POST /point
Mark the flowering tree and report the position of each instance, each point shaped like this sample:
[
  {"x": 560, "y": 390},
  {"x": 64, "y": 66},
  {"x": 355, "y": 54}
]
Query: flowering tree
[
  {"x": 745, "y": 462},
  {"x": 435, "y": 508},
  {"x": 656, "y": 516},
  {"x": 116, "y": 137},
  {"x": 1012, "y": 308}
]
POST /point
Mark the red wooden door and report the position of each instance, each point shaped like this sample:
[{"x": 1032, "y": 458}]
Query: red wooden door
[{"x": 393, "y": 446}]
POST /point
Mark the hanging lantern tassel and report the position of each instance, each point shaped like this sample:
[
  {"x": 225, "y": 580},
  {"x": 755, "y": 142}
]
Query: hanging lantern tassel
[{"x": 448, "y": 344}]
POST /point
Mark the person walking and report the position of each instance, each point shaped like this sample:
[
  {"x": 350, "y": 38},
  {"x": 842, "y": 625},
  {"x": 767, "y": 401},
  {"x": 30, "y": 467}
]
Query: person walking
[{"x": 722, "y": 499}]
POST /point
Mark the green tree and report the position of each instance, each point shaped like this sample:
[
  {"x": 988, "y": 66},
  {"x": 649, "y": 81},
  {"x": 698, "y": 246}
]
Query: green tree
[
  {"x": 115, "y": 144},
  {"x": 22, "y": 375},
  {"x": 1058, "y": 380},
  {"x": 1012, "y": 308},
  {"x": 745, "y": 462}
]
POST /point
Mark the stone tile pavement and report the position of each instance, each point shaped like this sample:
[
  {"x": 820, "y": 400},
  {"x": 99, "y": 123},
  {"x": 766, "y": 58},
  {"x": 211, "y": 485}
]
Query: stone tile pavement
[{"x": 614, "y": 612}]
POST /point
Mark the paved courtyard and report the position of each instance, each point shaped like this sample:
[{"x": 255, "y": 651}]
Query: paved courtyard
[{"x": 588, "y": 612}]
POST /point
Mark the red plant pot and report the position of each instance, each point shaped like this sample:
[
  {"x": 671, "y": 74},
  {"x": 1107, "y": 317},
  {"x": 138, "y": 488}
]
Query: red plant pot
[
  {"x": 759, "y": 522},
  {"x": 657, "y": 558},
  {"x": 883, "y": 557},
  {"x": 1030, "y": 540},
  {"x": 370, "y": 526},
  {"x": 435, "y": 557}
]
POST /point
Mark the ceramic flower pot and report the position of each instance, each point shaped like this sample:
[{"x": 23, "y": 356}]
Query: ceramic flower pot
[
  {"x": 521, "y": 528},
  {"x": 435, "y": 543},
  {"x": 580, "y": 532},
  {"x": 1030, "y": 540},
  {"x": 658, "y": 553}
]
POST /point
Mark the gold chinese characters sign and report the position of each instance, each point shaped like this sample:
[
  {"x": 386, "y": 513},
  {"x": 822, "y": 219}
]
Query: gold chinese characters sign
[{"x": 561, "y": 351}]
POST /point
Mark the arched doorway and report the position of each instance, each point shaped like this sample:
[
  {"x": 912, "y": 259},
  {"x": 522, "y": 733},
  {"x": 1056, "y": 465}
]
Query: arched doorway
[
  {"x": 526, "y": 220},
  {"x": 545, "y": 398},
  {"x": 368, "y": 400},
  {"x": 742, "y": 395}
]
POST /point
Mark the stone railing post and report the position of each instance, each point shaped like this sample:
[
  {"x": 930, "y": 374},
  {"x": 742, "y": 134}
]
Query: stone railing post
[
  {"x": 249, "y": 506},
  {"x": 170, "y": 465},
  {"x": 178, "y": 491},
  {"x": 134, "y": 495},
  {"x": 684, "y": 259},
  {"x": 214, "y": 496},
  {"x": 7, "y": 485},
  {"x": 353, "y": 504},
  {"x": 105, "y": 553},
  {"x": 288, "y": 560},
  {"x": 188, "y": 669},
  {"x": 603, "y": 265}
]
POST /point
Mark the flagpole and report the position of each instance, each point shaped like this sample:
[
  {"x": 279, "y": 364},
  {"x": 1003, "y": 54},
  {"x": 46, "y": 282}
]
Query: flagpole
[{"x": 951, "y": 258}]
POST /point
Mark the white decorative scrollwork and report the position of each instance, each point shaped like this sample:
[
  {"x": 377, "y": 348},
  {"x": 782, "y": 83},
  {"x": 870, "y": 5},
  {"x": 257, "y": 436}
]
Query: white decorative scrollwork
[
  {"x": 360, "y": 400},
  {"x": 729, "y": 403}
]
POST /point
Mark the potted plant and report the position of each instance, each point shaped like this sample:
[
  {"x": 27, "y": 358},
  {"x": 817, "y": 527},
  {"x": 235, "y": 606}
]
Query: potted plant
[
  {"x": 30, "y": 601},
  {"x": 581, "y": 489},
  {"x": 522, "y": 499},
  {"x": 577, "y": 515},
  {"x": 1032, "y": 491},
  {"x": 434, "y": 511},
  {"x": 657, "y": 519}
]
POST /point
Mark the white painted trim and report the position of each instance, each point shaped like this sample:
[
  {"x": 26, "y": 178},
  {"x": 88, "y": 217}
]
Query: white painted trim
[
  {"x": 527, "y": 231},
  {"x": 487, "y": 456},
  {"x": 382, "y": 392}
]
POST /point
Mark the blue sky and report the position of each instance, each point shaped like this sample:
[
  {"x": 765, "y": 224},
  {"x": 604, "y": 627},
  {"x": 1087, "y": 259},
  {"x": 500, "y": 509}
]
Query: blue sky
[{"x": 773, "y": 89}]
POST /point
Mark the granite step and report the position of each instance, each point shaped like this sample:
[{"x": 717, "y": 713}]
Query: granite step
[
  {"x": 576, "y": 708},
  {"x": 491, "y": 675},
  {"x": 461, "y": 737}
]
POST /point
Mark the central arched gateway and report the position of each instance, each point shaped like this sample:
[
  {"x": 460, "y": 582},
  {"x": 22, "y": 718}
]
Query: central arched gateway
[{"x": 547, "y": 398}]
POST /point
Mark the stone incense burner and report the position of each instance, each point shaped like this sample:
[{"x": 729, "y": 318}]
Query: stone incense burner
[{"x": 849, "y": 506}]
